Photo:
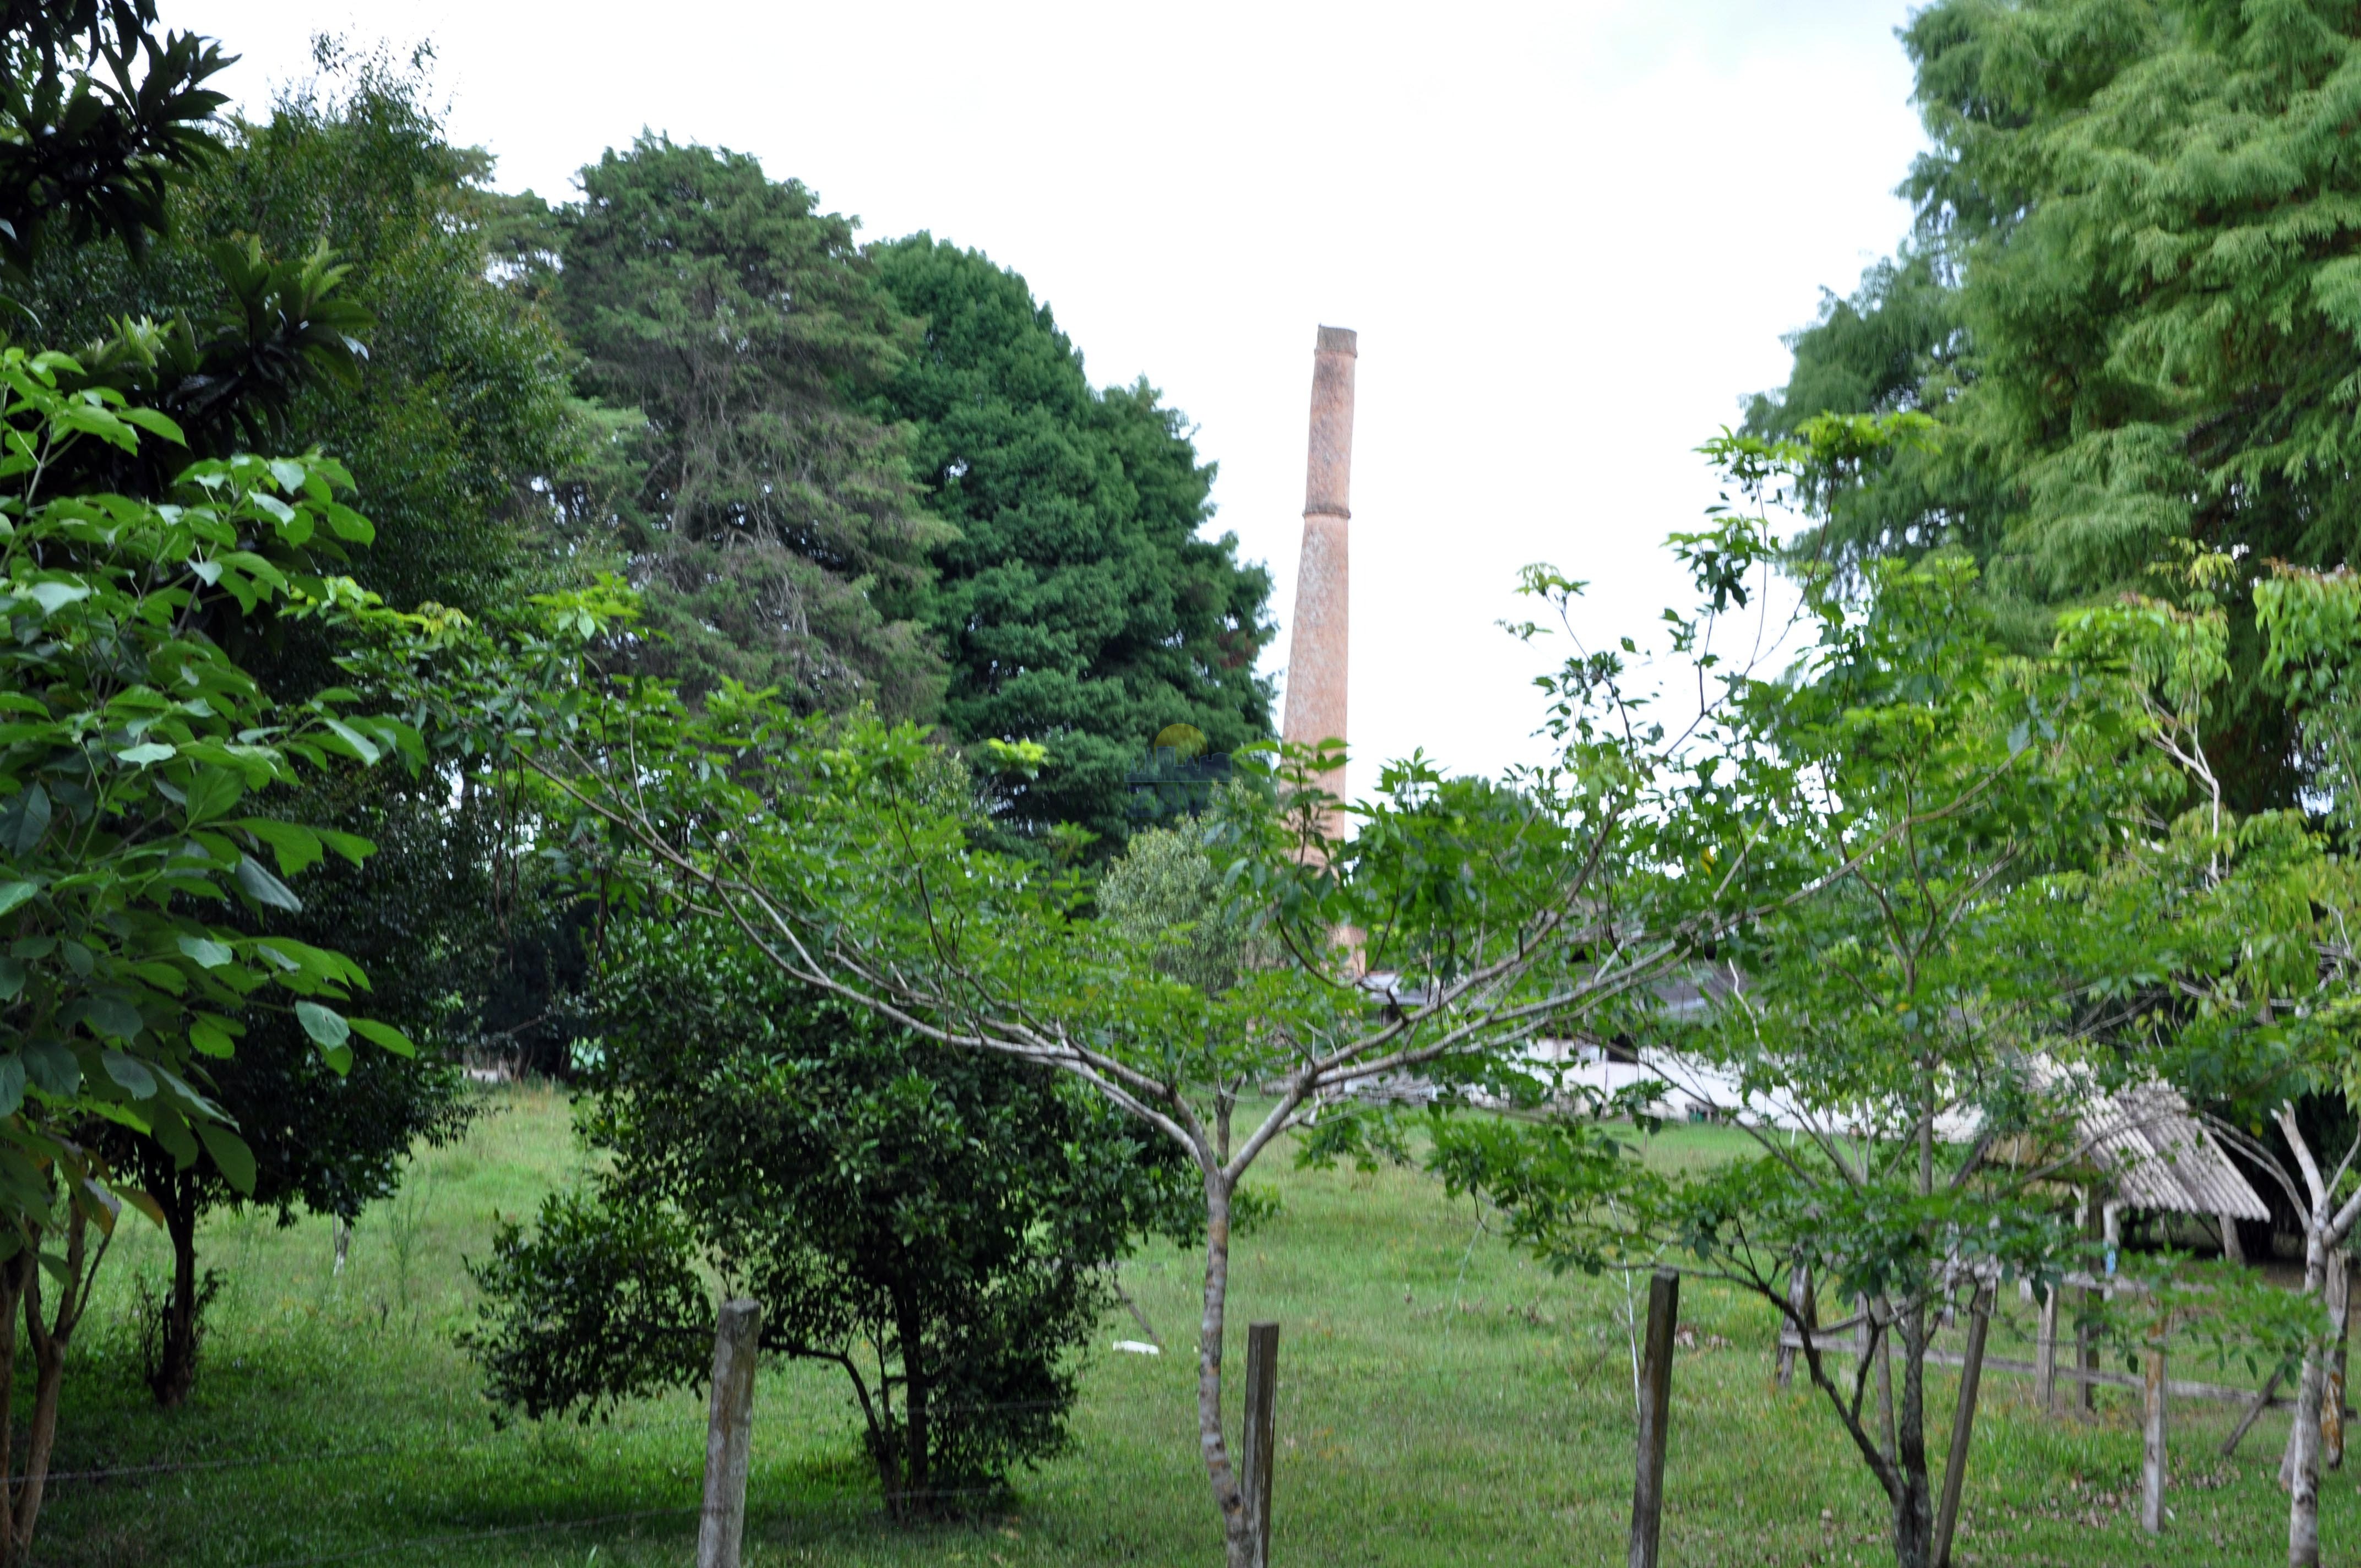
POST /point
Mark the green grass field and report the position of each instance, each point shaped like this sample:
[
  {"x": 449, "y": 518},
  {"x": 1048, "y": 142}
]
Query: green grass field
[{"x": 1442, "y": 1401}]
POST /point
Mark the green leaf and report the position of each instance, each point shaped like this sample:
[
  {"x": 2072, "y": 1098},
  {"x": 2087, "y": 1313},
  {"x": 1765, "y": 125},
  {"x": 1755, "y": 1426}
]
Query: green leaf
[
  {"x": 24, "y": 820},
  {"x": 363, "y": 749},
  {"x": 12, "y": 1084},
  {"x": 54, "y": 597},
  {"x": 351, "y": 846},
  {"x": 13, "y": 894},
  {"x": 147, "y": 751},
  {"x": 263, "y": 888},
  {"x": 206, "y": 952},
  {"x": 155, "y": 423},
  {"x": 324, "y": 1024},
  {"x": 295, "y": 847},
  {"x": 211, "y": 792},
  {"x": 210, "y": 1033},
  {"x": 52, "y": 1067},
  {"x": 12, "y": 978},
  {"x": 384, "y": 1034},
  {"x": 130, "y": 1073},
  {"x": 112, "y": 1014},
  {"x": 230, "y": 1152}
]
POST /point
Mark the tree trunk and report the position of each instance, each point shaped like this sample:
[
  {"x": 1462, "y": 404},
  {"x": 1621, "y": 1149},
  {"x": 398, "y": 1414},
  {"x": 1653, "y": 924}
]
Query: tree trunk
[
  {"x": 176, "y": 1360},
  {"x": 13, "y": 1274},
  {"x": 2299, "y": 1467},
  {"x": 917, "y": 1472},
  {"x": 1237, "y": 1534},
  {"x": 1913, "y": 1505},
  {"x": 47, "y": 1338}
]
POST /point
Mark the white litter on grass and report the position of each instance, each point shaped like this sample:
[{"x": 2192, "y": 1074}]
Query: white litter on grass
[{"x": 1137, "y": 1347}]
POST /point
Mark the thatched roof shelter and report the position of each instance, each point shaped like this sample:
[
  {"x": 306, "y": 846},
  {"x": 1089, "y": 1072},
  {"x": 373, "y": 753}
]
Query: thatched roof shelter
[{"x": 2158, "y": 1156}]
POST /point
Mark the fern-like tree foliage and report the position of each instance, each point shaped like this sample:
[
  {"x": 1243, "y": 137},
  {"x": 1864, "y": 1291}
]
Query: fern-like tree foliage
[{"x": 2130, "y": 297}]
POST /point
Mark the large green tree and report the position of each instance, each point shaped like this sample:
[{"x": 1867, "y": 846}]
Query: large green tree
[
  {"x": 449, "y": 401},
  {"x": 939, "y": 1226},
  {"x": 1080, "y": 603},
  {"x": 2130, "y": 298},
  {"x": 731, "y": 335}
]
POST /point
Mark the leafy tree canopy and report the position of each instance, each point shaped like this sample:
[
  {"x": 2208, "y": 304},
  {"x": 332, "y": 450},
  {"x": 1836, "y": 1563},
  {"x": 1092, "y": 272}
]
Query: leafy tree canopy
[
  {"x": 456, "y": 400},
  {"x": 731, "y": 335},
  {"x": 940, "y": 1225},
  {"x": 1079, "y": 605},
  {"x": 2129, "y": 299},
  {"x": 383, "y": 341}
]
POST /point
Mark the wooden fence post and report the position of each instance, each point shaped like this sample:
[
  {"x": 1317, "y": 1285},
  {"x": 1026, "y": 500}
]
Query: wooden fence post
[
  {"x": 2086, "y": 1347},
  {"x": 730, "y": 1433},
  {"x": 1963, "y": 1425},
  {"x": 1799, "y": 1301},
  {"x": 2044, "y": 1353},
  {"x": 2152, "y": 1443},
  {"x": 1655, "y": 1416},
  {"x": 1262, "y": 1398}
]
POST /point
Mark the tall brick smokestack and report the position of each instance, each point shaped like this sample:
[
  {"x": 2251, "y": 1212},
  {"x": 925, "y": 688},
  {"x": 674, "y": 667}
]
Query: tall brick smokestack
[{"x": 1320, "y": 645}]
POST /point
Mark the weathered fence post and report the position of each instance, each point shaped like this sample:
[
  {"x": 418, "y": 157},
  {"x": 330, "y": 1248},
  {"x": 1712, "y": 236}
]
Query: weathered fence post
[
  {"x": 1963, "y": 1425},
  {"x": 730, "y": 1433},
  {"x": 1655, "y": 1417},
  {"x": 2152, "y": 1443},
  {"x": 2338, "y": 1288},
  {"x": 2044, "y": 1353},
  {"x": 1262, "y": 1399},
  {"x": 1799, "y": 1301},
  {"x": 2086, "y": 1347}
]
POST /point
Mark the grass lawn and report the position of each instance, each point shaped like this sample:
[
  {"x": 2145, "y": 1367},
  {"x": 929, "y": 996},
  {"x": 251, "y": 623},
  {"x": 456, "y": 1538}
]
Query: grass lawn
[{"x": 1442, "y": 1401}]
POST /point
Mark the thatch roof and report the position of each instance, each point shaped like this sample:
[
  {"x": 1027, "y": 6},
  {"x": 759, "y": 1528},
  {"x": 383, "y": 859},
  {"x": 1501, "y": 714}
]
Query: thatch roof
[{"x": 2161, "y": 1157}]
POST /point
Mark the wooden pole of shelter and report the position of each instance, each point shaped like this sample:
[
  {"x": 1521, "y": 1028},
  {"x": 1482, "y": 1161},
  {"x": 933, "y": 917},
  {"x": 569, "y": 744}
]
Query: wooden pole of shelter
[
  {"x": 1262, "y": 1399},
  {"x": 730, "y": 1433},
  {"x": 2233, "y": 1250},
  {"x": 2086, "y": 1347},
  {"x": 1655, "y": 1417},
  {"x": 2152, "y": 1441},
  {"x": 1963, "y": 1426}
]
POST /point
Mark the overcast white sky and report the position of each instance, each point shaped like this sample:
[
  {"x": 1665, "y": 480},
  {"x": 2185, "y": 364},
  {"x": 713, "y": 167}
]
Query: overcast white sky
[{"x": 1569, "y": 236}]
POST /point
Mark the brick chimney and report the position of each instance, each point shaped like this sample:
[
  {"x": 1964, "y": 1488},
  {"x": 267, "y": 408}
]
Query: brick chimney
[{"x": 1319, "y": 640}]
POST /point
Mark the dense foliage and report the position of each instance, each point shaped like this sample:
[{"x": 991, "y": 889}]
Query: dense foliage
[
  {"x": 2129, "y": 299},
  {"x": 384, "y": 345},
  {"x": 731, "y": 335},
  {"x": 1078, "y": 604},
  {"x": 937, "y": 1224}
]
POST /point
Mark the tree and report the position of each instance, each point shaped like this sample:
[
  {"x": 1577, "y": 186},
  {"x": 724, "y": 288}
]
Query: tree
[
  {"x": 763, "y": 515},
  {"x": 2129, "y": 297},
  {"x": 1950, "y": 989},
  {"x": 104, "y": 114},
  {"x": 938, "y": 1226},
  {"x": 1165, "y": 895},
  {"x": 132, "y": 744},
  {"x": 456, "y": 405},
  {"x": 421, "y": 917},
  {"x": 1079, "y": 605}
]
